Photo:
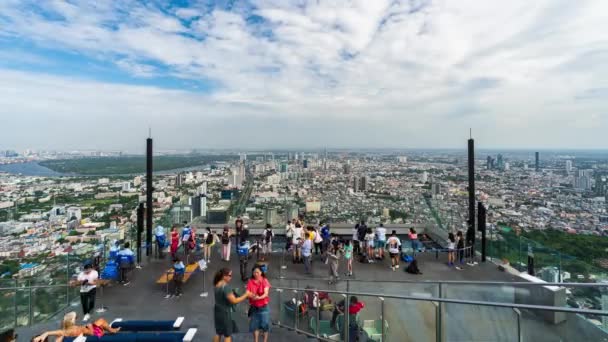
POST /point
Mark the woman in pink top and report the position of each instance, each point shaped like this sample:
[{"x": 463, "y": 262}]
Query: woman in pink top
[{"x": 259, "y": 312}]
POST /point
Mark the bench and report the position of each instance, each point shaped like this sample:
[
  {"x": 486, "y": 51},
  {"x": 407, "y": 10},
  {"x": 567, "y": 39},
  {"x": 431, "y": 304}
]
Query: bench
[
  {"x": 373, "y": 329},
  {"x": 325, "y": 328},
  {"x": 168, "y": 276},
  {"x": 137, "y": 325},
  {"x": 187, "y": 336}
]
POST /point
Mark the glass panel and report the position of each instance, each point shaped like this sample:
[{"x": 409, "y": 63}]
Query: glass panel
[
  {"x": 409, "y": 320},
  {"x": 461, "y": 322}
]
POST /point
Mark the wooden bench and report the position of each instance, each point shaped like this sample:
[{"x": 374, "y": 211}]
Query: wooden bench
[{"x": 168, "y": 276}]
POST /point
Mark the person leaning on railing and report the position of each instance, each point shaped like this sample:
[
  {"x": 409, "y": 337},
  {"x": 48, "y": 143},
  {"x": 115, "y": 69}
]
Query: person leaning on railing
[{"x": 70, "y": 329}]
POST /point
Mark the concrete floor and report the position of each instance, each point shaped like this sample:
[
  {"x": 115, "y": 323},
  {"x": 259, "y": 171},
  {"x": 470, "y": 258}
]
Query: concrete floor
[{"x": 408, "y": 320}]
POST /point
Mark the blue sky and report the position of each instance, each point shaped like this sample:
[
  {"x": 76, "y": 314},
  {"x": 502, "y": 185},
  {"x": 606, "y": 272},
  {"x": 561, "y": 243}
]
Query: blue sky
[{"x": 272, "y": 73}]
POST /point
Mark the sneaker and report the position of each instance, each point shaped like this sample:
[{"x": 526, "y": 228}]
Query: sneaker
[
  {"x": 127, "y": 283},
  {"x": 86, "y": 317},
  {"x": 459, "y": 268},
  {"x": 393, "y": 268},
  {"x": 397, "y": 266},
  {"x": 168, "y": 296}
]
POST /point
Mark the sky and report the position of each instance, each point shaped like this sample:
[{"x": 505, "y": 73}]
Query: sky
[{"x": 303, "y": 74}]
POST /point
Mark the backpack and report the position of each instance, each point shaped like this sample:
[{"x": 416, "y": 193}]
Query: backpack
[
  {"x": 318, "y": 238},
  {"x": 413, "y": 268},
  {"x": 225, "y": 238},
  {"x": 209, "y": 239},
  {"x": 407, "y": 258},
  {"x": 268, "y": 235}
]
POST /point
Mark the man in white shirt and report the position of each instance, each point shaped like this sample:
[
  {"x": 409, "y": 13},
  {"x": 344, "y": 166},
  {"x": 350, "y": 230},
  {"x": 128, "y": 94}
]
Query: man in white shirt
[
  {"x": 307, "y": 253},
  {"x": 298, "y": 235},
  {"x": 393, "y": 243},
  {"x": 380, "y": 240},
  {"x": 87, "y": 279}
]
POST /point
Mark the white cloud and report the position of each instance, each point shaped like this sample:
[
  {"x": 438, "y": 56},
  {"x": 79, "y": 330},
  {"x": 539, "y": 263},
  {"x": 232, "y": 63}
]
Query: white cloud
[{"x": 508, "y": 69}]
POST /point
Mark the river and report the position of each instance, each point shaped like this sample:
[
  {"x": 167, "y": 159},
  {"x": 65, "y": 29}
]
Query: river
[{"x": 35, "y": 169}]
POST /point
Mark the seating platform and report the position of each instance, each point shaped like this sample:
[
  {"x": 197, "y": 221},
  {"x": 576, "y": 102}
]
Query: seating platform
[{"x": 168, "y": 275}]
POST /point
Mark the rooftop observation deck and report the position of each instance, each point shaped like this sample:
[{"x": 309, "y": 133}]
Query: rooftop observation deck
[{"x": 408, "y": 320}]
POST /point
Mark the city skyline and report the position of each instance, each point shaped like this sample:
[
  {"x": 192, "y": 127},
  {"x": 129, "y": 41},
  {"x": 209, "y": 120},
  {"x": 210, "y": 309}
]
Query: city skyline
[{"x": 381, "y": 74}]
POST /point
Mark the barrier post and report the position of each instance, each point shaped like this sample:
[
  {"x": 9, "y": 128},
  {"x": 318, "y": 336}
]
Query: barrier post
[
  {"x": 15, "y": 301},
  {"x": 316, "y": 294},
  {"x": 346, "y": 317},
  {"x": 205, "y": 293},
  {"x": 518, "y": 313},
  {"x": 382, "y": 319},
  {"x": 30, "y": 304},
  {"x": 280, "y": 291},
  {"x": 438, "y": 330},
  {"x": 295, "y": 320},
  {"x": 101, "y": 307}
]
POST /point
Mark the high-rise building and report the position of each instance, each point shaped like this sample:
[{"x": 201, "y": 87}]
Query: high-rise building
[
  {"x": 507, "y": 166},
  {"x": 305, "y": 164},
  {"x": 271, "y": 216},
  {"x": 364, "y": 183},
  {"x": 568, "y": 165},
  {"x": 582, "y": 179},
  {"x": 217, "y": 216},
  {"x": 356, "y": 185},
  {"x": 284, "y": 167},
  {"x": 424, "y": 177},
  {"x": 402, "y": 159},
  {"x": 179, "y": 180},
  {"x": 313, "y": 205},
  {"x": 202, "y": 189},
  {"x": 490, "y": 163},
  {"x": 181, "y": 213},
  {"x": 242, "y": 157},
  {"x": 137, "y": 181},
  {"x": 199, "y": 206},
  {"x": 537, "y": 160},
  {"x": 500, "y": 163},
  {"x": 347, "y": 168},
  {"x": 435, "y": 189}
]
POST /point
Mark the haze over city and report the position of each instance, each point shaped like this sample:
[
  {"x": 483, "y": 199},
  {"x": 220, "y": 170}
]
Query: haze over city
[{"x": 266, "y": 74}]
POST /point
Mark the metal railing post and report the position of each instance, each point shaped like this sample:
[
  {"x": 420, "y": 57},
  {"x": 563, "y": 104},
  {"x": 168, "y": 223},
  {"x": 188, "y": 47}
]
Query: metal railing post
[
  {"x": 67, "y": 280},
  {"x": 346, "y": 317},
  {"x": 518, "y": 313},
  {"x": 280, "y": 291},
  {"x": 439, "y": 320},
  {"x": 30, "y": 304},
  {"x": 383, "y": 339},
  {"x": 316, "y": 294},
  {"x": 438, "y": 328},
  {"x": 15, "y": 301},
  {"x": 295, "y": 319}
]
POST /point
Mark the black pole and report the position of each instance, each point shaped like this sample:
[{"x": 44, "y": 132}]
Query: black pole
[
  {"x": 471, "y": 222},
  {"x": 481, "y": 226},
  {"x": 149, "y": 209},
  {"x": 140, "y": 229}
]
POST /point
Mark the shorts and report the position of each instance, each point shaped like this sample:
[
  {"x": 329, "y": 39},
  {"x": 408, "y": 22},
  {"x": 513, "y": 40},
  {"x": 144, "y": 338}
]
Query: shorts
[
  {"x": 394, "y": 255},
  {"x": 260, "y": 319},
  {"x": 380, "y": 244}
]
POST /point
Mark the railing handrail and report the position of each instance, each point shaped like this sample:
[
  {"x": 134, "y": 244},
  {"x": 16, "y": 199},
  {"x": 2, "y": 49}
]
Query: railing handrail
[
  {"x": 453, "y": 301},
  {"x": 459, "y": 282},
  {"x": 17, "y": 288}
]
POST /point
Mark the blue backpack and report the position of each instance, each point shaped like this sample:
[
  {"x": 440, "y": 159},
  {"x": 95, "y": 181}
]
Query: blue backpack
[{"x": 407, "y": 258}]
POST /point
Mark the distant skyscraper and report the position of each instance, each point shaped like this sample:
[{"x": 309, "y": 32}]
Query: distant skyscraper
[
  {"x": 199, "y": 206},
  {"x": 507, "y": 166},
  {"x": 568, "y": 165},
  {"x": 284, "y": 167},
  {"x": 305, "y": 163},
  {"x": 356, "y": 185},
  {"x": 490, "y": 163},
  {"x": 347, "y": 168},
  {"x": 364, "y": 183},
  {"x": 424, "y": 177},
  {"x": 500, "y": 163},
  {"x": 537, "y": 158},
  {"x": 270, "y": 216},
  {"x": 582, "y": 179},
  {"x": 243, "y": 157}
]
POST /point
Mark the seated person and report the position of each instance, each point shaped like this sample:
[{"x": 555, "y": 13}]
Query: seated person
[
  {"x": 70, "y": 329},
  {"x": 126, "y": 261}
]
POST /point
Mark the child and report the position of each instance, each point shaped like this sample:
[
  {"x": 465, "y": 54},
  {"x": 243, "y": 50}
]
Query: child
[
  {"x": 348, "y": 255},
  {"x": 178, "y": 277}
]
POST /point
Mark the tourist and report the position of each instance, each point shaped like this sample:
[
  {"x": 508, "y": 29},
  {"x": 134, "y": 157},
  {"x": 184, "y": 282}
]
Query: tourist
[
  {"x": 226, "y": 244},
  {"x": 326, "y": 236},
  {"x": 87, "y": 279},
  {"x": 126, "y": 259},
  {"x": 369, "y": 244},
  {"x": 267, "y": 242},
  {"x": 289, "y": 235},
  {"x": 361, "y": 231},
  {"x": 209, "y": 240},
  {"x": 451, "y": 247},
  {"x": 353, "y": 318},
  {"x": 333, "y": 256},
  {"x": 380, "y": 240},
  {"x": 393, "y": 243},
  {"x": 356, "y": 239},
  {"x": 348, "y": 256},
  {"x": 307, "y": 253},
  {"x": 186, "y": 238},
  {"x": 243, "y": 254},
  {"x": 298, "y": 236},
  {"x": 225, "y": 300},
  {"x": 174, "y": 241},
  {"x": 179, "y": 270},
  {"x": 414, "y": 240},
  {"x": 238, "y": 227},
  {"x": 159, "y": 233},
  {"x": 70, "y": 329},
  {"x": 460, "y": 248},
  {"x": 259, "y": 287},
  {"x": 317, "y": 239}
]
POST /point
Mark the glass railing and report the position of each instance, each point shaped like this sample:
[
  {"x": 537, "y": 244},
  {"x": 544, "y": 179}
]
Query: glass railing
[
  {"x": 320, "y": 314},
  {"x": 43, "y": 292}
]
